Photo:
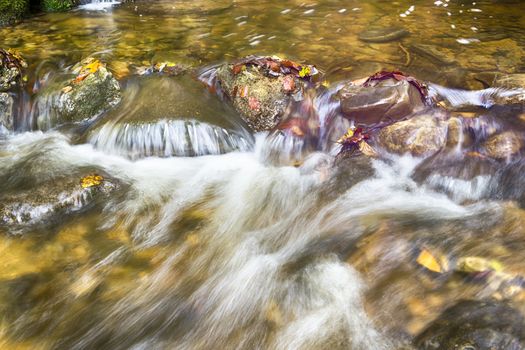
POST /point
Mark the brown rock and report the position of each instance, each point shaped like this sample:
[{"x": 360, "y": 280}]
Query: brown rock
[
  {"x": 422, "y": 135},
  {"x": 504, "y": 145},
  {"x": 260, "y": 88},
  {"x": 384, "y": 101}
]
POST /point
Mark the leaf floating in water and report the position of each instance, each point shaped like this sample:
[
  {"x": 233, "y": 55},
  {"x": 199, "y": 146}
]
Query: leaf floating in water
[
  {"x": 67, "y": 89},
  {"x": 91, "y": 181},
  {"x": 475, "y": 264},
  {"x": 430, "y": 262}
]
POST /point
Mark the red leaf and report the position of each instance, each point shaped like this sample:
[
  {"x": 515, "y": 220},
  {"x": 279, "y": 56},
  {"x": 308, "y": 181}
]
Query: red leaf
[
  {"x": 236, "y": 69},
  {"x": 254, "y": 104},
  {"x": 288, "y": 84}
]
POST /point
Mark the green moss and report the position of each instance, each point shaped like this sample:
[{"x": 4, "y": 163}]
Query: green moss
[
  {"x": 12, "y": 10},
  {"x": 58, "y": 5}
]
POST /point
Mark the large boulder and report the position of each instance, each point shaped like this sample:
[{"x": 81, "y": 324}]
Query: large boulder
[
  {"x": 49, "y": 202},
  {"x": 383, "y": 98},
  {"x": 92, "y": 91},
  {"x": 170, "y": 116},
  {"x": 260, "y": 88},
  {"x": 421, "y": 135},
  {"x": 471, "y": 324}
]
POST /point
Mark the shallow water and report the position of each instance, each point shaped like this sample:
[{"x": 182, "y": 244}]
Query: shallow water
[{"x": 261, "y": 243}]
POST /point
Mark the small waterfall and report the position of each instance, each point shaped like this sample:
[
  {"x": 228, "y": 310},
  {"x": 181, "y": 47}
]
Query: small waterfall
[
  {"x": 167, "y": 138},
  {"x": 97, "y": 5}
]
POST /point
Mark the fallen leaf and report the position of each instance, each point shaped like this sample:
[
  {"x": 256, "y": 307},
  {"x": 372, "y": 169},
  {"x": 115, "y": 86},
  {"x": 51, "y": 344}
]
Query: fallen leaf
[
  {"x": 367, "y": 150},
  {"x": 428, "y": 261},
  {"x": 288, "y": 84},
  {"x": 254, "y": 104},
  {"x": 67, "y": 89},
  {"x": 305, "y": 71},
  {"x": 93, "y": 66},
  {"x": 238, "y": 68},
  {"x": 475, "y": 264},
  {"x": 349, "y": 133},
  {"x": 297, "y": 131},
  {"x": 91, "y": 180},
  {"x": 80, "y": 77}
]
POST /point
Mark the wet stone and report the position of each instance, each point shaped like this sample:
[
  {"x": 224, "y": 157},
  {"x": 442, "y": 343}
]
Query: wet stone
[
  {"x": 82, "y": 97},
  {"x": 261, "y": 91},
  {"x": 381, "y": 101},
  {"x": 421, "y": 135},
  {"x": 49, "y": 202},
  {"x": 471, "y": 324}
]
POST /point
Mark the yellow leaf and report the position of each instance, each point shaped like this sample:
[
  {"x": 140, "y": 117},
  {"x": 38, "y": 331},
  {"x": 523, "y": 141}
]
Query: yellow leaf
[
  {"x": 367, "y": 150},
  {"x": 427, "y": 260},
  {"x": 305, "y": 71},
  {"x": 91, "y": 180},
  {"x": 93, "y": 66},
  {"x": 349, "y": 134}
]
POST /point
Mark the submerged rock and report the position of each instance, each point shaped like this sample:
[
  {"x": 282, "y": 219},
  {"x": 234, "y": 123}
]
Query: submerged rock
[
  {"x": 170, "y": 116},
  {"x": 480, "y": 325},
  {"x": 49, "y": 202},
  {"x": 383, "y": 35},
  {"x": 260, "y": 88},
  {"x": 382, "y": 98},
  {"x": 421, "y": 135},
  {"x": 93, "y": 91}
]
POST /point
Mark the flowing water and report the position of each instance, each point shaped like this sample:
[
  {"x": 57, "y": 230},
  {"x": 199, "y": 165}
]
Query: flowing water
[{"x": 211, "y": 237}]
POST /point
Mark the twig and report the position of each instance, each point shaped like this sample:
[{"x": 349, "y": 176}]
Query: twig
[{"x": 407, "y": 54}]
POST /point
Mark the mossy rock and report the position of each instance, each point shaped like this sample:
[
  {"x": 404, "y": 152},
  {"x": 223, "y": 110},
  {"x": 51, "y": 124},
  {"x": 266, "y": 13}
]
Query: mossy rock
[
  {"x": 80, "y": 99},
  {"x": 58, "y": 5},
  {"x": 12, "y": 10},
  {"x": 53, "y": 201}
]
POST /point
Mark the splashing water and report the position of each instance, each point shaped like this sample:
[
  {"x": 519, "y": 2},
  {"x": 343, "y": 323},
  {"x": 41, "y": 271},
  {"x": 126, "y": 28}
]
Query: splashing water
[{"x": 98, "y": 5}]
